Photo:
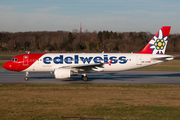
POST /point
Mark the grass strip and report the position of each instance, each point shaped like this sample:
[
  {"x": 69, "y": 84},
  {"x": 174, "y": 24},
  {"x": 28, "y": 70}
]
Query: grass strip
[
  {"x": 90, "y": 101},
  {"x": 2, "y": 62}
]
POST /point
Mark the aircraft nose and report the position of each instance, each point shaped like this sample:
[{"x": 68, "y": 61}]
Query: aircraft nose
[{"x": 7, "y": 66}]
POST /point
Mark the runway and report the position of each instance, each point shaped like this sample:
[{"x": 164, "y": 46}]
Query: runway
[{"x": 126, "y": 77}]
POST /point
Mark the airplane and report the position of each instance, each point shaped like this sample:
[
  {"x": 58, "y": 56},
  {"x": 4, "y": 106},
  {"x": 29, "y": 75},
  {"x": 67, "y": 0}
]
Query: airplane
[{"x": 65, "y": 65}]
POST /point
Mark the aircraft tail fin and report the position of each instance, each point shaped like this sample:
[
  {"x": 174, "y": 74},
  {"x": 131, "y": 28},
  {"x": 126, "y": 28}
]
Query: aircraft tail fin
[{"x": 157, "y": 45}]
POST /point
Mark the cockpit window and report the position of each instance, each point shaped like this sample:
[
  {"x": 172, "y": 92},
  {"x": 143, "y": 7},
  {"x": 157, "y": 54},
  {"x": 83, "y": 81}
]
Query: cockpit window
[{"x": 14, "y": 59}]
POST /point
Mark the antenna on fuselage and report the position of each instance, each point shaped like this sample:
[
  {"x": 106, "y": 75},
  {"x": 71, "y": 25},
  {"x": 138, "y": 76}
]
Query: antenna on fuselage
[{"x": 27, "y": 52}]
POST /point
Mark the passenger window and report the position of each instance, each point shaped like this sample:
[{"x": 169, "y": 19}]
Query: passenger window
[{"x": 15, "y": 60}]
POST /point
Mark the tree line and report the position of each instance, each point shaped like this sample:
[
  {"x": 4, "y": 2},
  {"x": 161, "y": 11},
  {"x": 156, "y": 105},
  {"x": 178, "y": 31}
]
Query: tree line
[{"x": 63, "y": 41}]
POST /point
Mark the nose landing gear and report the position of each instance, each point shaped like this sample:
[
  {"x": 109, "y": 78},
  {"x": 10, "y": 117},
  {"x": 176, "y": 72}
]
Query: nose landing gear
[{"x": 26, "y": 77}]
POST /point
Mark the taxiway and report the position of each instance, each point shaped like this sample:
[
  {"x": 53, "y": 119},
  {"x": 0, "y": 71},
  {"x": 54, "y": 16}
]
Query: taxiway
[{"x": 125, "y": 77}]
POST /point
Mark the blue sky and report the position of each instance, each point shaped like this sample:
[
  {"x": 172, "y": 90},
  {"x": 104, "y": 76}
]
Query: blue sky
[{"x": 111, "y": 15}]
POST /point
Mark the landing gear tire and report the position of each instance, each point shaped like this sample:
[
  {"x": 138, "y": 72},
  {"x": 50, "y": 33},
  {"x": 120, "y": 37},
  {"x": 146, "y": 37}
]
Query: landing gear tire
[
  {"x": 84, "y": 78},
  {"x": 26, "y": 78}
]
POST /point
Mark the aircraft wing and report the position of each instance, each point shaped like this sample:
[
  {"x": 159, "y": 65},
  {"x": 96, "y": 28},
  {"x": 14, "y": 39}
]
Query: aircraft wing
[{"x": 86, "y": 67}]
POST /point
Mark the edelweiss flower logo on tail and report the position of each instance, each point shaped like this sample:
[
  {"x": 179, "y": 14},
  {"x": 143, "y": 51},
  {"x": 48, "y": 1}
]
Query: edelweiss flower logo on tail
[{"x": 158, "y": 44}]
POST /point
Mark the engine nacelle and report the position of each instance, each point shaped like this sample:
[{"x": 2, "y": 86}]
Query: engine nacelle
[{"x": 63, "y": 73}]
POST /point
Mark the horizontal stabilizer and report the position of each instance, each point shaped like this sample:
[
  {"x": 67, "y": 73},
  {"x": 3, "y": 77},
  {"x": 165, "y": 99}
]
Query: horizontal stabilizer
[{"x": 163, "y": 59}]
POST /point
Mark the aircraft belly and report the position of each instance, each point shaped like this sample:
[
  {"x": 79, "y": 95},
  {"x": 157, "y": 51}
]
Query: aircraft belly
[{"x": 118, "y": 67}]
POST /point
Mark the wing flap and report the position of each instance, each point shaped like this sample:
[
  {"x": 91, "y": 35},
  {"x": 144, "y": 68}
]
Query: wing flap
[{"x": 86, "y": 67}]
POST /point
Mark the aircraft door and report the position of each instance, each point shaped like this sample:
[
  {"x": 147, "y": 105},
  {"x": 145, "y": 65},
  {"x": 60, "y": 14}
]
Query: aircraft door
[
  {"x": 139, "y": 60},
  {"x": 25, "y": 60}
]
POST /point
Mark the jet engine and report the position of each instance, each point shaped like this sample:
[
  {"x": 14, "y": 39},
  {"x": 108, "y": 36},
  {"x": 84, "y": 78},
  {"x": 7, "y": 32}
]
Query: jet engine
[{"x": 64, "y": 73}]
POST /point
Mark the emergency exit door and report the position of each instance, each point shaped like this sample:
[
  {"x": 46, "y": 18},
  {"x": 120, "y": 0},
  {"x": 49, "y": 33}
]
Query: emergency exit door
[
  {"x": 139, "y": 60},
  {"x": 25, "y": 60}
]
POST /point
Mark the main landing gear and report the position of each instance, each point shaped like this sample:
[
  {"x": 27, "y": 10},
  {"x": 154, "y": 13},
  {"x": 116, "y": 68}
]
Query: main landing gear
[
  {"x": 26, "y": 78},
  {"x": 84, "y": 77}
]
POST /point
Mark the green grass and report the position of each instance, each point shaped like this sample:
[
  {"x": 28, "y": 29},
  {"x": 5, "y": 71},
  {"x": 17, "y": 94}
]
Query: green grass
[
  {"x": 8, "y": 55},
  {"x": 176, "y": 55},
  {"x": 2, "y": 62},
  {"x": 112, "y": 102}
]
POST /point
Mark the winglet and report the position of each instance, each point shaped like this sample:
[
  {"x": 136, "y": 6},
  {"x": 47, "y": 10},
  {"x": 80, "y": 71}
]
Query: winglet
[{"x": 157, "y": 45}]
